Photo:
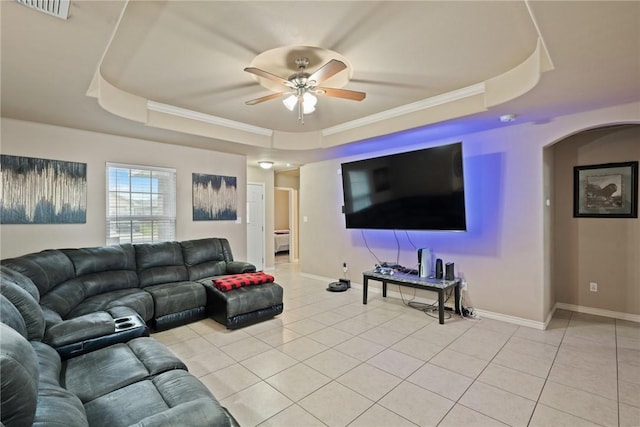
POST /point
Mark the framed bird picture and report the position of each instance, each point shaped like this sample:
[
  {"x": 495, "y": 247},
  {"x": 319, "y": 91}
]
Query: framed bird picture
[{"x": 606, "y": 191}]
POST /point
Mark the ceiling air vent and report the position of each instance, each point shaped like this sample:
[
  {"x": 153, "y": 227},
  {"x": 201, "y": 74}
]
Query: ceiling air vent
[{"x": 57, "y": 8}]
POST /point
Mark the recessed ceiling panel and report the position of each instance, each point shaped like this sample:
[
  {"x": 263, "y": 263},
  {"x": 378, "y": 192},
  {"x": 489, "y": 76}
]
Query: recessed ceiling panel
[{"x": 192, "y": 54}]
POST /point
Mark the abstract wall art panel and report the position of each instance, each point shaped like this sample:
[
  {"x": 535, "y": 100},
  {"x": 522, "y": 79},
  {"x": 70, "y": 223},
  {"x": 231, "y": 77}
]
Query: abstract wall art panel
[
  {"x": 215, "y": 197},
  {"x": 42, "y": 191}
]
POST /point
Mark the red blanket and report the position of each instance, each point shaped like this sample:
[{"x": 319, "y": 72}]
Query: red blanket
[{"x": 235, "y": 281}]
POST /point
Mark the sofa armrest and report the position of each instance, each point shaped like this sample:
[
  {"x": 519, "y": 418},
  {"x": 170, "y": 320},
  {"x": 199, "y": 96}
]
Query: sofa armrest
[
  {"x": 238, "y": 267},
  {"x": 93, "y": 331},
  {"x": 79, "y": 329}
]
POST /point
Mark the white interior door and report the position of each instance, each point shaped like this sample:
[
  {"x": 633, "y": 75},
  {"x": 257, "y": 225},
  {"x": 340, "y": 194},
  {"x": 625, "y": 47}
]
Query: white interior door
[{"x": 255, "y": 225}]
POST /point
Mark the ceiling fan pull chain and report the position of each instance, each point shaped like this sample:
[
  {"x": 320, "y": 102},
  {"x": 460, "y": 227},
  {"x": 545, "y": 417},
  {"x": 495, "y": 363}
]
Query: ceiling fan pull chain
[{"x": 300, "y": 108}]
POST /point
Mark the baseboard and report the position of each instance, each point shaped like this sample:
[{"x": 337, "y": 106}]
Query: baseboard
[
  {"x": 549, "y": 317},
  {"x": 512, "y": 319},
  {"x": 598, "y": 312}
]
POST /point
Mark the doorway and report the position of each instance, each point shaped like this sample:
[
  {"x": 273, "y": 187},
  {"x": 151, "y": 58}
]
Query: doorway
[{"x": 286, "y": 224}]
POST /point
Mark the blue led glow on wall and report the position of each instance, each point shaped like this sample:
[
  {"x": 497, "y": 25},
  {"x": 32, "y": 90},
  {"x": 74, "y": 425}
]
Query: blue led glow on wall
[{"x": 484, "y": 199}]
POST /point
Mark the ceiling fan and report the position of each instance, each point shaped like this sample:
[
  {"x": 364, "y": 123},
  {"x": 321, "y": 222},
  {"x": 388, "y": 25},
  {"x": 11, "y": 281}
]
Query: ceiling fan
[{"x": 304, "y": 86}]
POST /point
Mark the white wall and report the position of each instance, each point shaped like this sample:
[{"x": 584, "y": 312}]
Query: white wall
[
  {"x": 50, "y": 142},
  {"x": 503, "y": 255}
]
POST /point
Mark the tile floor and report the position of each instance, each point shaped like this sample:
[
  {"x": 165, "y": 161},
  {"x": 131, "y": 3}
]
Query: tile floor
[{"x": 329, "y": 360}]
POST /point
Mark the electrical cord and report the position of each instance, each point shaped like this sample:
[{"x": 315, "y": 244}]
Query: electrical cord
[
  {"x": 424, "y": 307},
  {"x": 410, "y": 241},
  {"x": 368, "y": 248},
  {"x": 397, "y": 248}
]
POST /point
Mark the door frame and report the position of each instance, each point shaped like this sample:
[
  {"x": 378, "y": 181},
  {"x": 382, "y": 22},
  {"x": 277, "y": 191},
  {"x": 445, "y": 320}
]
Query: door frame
[{"x": 261, "y": 185}]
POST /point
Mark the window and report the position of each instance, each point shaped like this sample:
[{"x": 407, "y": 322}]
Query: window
[{"x": 141, "y": 204}]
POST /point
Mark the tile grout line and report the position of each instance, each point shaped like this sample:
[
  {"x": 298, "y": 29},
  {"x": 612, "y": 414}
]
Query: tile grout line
[
  {"x": 457, "y": 402},
  {"x": 546, "y": 378},
  {"x": 572, "y": 387}
]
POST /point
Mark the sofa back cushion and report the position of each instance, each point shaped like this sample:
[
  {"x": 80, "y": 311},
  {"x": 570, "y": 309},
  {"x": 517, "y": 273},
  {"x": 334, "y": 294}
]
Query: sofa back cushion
[
  {"x": 56, "y": 405},
  {"x": 21, "y": 280},
  {"x": 19, "y": 373},
  {"x": 102, "y": 258},
  {"x": 102, "y": 269},
  {"x": 46, "y": 269},
  {"x": 206, "y": 257},
  {"x": 160, "y": 263},
  {"x": 27, "y": 308},
  {"x": 11, "y": 316}
]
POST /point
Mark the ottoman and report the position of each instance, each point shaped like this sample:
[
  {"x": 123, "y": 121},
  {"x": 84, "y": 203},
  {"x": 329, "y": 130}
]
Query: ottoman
[{"x": 255, "y": 297}]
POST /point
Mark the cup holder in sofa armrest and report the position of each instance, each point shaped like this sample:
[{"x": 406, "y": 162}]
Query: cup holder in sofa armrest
[
  {"x": 129, "y": 322},
  {"x": 93, "y": 331}
]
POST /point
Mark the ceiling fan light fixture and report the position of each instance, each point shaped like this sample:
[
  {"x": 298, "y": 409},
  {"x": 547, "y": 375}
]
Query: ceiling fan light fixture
[
  {"x": 290, "y": 102},
  {"x": 302, "y": 85},
  {"x": 265, "y": 164},
  {"x": 309, "y": 102}
]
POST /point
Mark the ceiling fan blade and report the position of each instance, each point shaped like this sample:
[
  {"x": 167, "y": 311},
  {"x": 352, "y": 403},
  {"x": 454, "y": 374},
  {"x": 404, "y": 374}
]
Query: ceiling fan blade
[
  {"x": 327, "y": 70},
  {"x": 341, "y": 93},
  {"x": 265, "y": 98},
  {"x": 267, "y": 75}
]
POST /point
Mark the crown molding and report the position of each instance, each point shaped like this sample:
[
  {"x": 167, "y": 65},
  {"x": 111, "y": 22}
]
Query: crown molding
[
  {"x": 206, "y": 118},
  {"x": 433, "y": 101}
]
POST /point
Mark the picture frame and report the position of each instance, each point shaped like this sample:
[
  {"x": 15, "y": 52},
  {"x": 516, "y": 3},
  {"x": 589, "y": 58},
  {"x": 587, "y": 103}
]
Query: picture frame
[
  {"x": 42, "y": 191},
  {"x": 608, "y": 190},
  {"x": 214, "y": 197}
]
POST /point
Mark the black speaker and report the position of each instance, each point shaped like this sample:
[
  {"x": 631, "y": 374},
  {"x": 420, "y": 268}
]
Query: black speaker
[
  {"x": 449, "y": 274},
  {"x": 438, "y": 268}
]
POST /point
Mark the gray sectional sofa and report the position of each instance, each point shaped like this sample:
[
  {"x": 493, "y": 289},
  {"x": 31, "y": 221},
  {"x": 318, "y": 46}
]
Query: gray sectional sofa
[{"x": 74, "y": 332}]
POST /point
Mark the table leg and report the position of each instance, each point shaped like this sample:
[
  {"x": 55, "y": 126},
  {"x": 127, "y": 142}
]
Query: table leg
[
  {"x": 441, "y": 306},
  {"x": 365, "y": 285},
  {"x": 384, "y": 289},
  {"x": 456, "y": 291}
]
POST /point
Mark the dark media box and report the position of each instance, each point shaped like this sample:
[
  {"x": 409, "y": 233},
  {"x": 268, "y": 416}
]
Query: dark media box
[{"x": 449, "y": 274}]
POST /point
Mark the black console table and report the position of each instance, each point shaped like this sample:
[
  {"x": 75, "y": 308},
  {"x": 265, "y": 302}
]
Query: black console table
[{"x": 414, "y": 281}]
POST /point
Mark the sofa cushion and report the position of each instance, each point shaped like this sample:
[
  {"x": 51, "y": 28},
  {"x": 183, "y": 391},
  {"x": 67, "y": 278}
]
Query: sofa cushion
[
  {"x": 102, "y": 258},
  {"x": 64, "y": 297},
  {"x": 175, "y": 398},
  {"x": 160, "y": 263},
  {"x": 56, "y": 405},
  {"x": 19, "y": 373},
  {"x": 11, "y": 316},
  {"x": 21, "y": 280},
  {"x": 95, "y": 374},
  {"x": 46, "y": 269},
  {"x": 206, "y": 257},
  {"x": 202, "y": 250},
  {"x": 136, "y": 298},
  {"x": 28, "y": 308},
  {"x": 177, "y": 297}
]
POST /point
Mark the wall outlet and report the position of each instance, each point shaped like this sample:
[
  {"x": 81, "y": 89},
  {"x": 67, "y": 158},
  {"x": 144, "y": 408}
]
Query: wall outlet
[
  {"x": 345, "y": 267},
  {"x": 593, "y": 287}
]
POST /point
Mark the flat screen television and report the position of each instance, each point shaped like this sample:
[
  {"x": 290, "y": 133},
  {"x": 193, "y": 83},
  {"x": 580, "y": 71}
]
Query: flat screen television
[{"x": 415, "y": 190}]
